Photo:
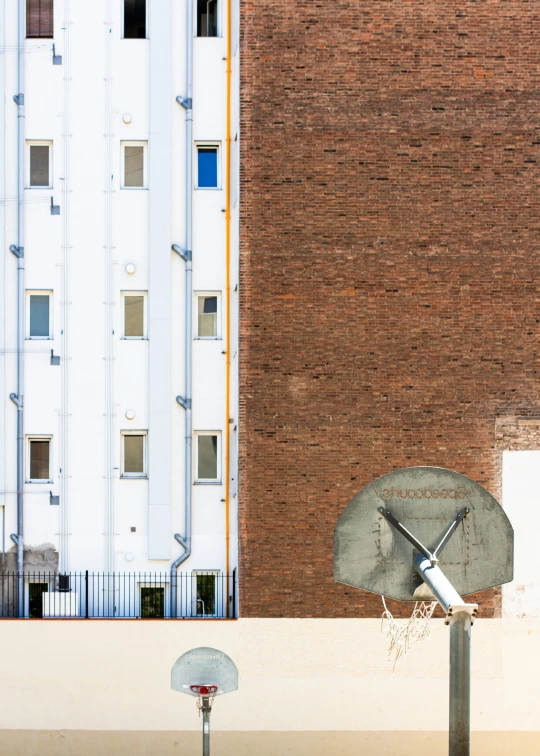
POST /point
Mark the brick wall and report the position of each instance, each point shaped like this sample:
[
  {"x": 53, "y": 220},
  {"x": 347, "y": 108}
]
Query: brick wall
[{"x": 390, "y": 230}]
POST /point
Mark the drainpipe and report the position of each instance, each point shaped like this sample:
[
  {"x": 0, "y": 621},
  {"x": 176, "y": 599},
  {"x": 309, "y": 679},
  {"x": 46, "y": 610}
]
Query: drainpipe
[
  {"x": 185, "y": 401},
  {"x": 174, "y": 571},
  {"x": 18, "y": 251}
]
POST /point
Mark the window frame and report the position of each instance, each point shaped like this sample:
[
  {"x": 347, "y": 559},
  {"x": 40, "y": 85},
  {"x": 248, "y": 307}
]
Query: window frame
[
  {"x": 38, "y": 437},
  {"x": 133, "y": 143},
  {"x": 131, "y": 475},
  {"x": 194, "y": 601},
  {"x": 218, "y": 336},
  {"x": 135, "y": 293},
  {"x": 208, "y": 481},
  {"x": 38, "y": 36},
  {"x": 39, "y": 292},
  {"x": 217, "y": 147},
  {"x": 38, "y": 143},
  {"x": 219, "y": 34},
  {"x": 147, "y": 19}
]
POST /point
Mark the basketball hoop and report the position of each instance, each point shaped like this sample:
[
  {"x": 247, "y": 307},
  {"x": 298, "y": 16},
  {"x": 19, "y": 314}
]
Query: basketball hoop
[
  {"x": 205, "y": 696},
  {"x": 402, "y": 635},
  {"x": 420, "y": 534}
]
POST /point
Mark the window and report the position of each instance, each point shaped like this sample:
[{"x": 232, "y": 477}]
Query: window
[
  {"x": 38, "y": 315},
  {"x": 35, "y": 599},
  {"x": 134, "y": 314},
  {"x": 39, "y": 463},
  {"x": 39, "y": 18},
  {"x": 134, "y": 19},
  {"x": 207, "y": 167},
  {"x": 208, "y": 457},
  {"x": 39, "y": 162},
  {"x": 152, "y": 602},
  {"x": 207, "y": 18},
  {"x": 134, "y": 165},
  {"x": 134, "y": 454},
  {"x": 205, "y": 593},
  {"x": 208, "y": 325}
]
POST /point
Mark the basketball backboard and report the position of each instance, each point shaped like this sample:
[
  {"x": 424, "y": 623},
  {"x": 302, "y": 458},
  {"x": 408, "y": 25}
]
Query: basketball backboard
[
  {"x": 204, "y": 667},
  {"x": 371, "y": 553}
]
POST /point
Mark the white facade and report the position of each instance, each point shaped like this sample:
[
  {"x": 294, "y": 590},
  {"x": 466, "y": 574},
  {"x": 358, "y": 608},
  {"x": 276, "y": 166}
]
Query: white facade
[{"x": 108, "y": 242}]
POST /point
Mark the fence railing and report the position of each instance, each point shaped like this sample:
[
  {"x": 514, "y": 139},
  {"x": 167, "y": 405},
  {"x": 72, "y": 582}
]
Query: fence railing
[{"x": 205, "y": 594}]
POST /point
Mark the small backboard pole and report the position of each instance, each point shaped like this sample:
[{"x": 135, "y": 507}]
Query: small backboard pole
[
  {"x": 205, "y": 673},
  {"x": 206, "y": 710}
]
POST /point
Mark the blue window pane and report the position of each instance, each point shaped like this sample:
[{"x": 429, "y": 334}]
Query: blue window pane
[
  {"x": 39, "y": 315},
  {"x": 207, "y": 167}
]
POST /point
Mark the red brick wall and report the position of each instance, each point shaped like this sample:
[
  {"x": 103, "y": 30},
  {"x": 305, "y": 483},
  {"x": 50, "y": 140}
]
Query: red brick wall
[{"x": 390, "y": 230}]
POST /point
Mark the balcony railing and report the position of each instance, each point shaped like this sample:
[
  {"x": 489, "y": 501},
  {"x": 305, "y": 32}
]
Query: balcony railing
[{"x": 205, "y": 594}]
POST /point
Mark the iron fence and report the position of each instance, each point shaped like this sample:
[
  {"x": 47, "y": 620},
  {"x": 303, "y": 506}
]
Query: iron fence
[{"x": 205, "y": 594}]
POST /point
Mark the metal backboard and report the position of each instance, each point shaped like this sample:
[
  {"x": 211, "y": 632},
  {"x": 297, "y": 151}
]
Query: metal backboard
[
  {"x": 369, "y": 553},
  {"x": 204, "y": 666}
]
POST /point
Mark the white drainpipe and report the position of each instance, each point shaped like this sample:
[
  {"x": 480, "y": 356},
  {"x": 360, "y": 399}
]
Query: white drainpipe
[
  {"x": 18, "y": 251},
  {"x": 185, "y": 401}
]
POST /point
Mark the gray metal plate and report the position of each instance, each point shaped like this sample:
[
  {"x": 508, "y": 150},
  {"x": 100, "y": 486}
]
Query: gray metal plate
[
  {"x": 204, "y": 666},
  {"x": 370, "y": 554}
]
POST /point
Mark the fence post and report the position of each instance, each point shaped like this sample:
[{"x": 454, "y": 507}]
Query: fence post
[{"x": 86, "y": 594}]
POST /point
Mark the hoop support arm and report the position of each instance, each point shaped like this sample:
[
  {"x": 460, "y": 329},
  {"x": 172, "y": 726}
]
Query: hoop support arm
[
  {"x": 442, "y": 588},
  {"x": 406, "y": 533}
]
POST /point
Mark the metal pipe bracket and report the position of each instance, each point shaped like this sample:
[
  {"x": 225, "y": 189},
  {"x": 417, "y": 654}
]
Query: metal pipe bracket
[{"x": 471, "y": 609}]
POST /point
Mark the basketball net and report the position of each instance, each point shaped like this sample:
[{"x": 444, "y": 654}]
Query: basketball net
[
  {"x": 205, "y": 697},
  {"x": 401, "y": 636}
]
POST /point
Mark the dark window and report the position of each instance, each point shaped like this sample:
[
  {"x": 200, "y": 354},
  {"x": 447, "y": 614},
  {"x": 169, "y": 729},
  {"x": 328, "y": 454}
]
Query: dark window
[
  {"x": 134, "y": 19},
  {"x": 39, "y": 165},
  {"x": 208, "y": 317},
  {"x": 207, "y": 467},
  {"x": 134, "y": 316},
  {"x": 134, "y": 455},
  {"x": 207, "y": 174},
  {"x": 152, "y": 603},
  {"x": 39, "y": 459},
  {"x": 133, "y": 165},
  {"x": 207, "y": 18},
  {"x": 35, "y": 599},
  {"x": 206, "y": 595},
  {"x": 39, "y": 18},
  {"x": 39, "y": 316}
]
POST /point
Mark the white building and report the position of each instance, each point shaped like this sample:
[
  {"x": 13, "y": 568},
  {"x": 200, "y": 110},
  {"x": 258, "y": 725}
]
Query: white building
[{"x": 114, "y": 199}]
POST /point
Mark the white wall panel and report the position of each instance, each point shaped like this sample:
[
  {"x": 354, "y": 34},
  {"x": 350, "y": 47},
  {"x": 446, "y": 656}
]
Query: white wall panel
[{"x": 521, "y": 501}]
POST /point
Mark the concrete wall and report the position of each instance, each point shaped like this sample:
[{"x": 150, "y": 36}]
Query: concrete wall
[{"x": 306, "y": 686}]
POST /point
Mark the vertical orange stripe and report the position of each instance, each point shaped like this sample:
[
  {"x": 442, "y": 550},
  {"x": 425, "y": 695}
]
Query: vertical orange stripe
[{"x": 228, "y": 295}]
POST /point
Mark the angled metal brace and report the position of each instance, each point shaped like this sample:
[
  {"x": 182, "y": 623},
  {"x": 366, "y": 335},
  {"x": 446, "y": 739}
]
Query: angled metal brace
[
  {"x": 17, "y": 251},
  {"x": 464, "y": 512},
  {"x": 185, "y": 403},
  {"x": 15, "y": 399}
]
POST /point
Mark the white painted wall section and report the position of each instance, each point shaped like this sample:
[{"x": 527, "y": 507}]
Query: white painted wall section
[{"x": 521, "y": 501}]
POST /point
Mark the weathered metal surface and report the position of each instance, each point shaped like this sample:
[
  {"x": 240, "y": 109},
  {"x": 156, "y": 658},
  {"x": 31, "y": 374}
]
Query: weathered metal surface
[
  {"x": 460, "y": 685},
  {"x": 204, "y": 666},
  {"x": 369, "y": 553}
]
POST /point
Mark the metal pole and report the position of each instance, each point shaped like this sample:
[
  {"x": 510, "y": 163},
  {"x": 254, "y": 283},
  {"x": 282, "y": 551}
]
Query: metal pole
[
  {"x": 206, "y": 709},
  {"x": 460, "y": 684}
]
